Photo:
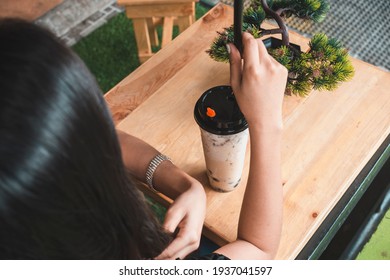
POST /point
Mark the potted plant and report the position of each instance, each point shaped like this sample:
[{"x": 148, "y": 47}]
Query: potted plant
[{"x": 323, "y": 67}]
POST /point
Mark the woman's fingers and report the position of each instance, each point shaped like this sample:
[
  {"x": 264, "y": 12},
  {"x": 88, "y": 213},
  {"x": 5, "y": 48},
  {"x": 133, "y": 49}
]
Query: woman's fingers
[
  {"x": 186, "y": 218},
  {"x": 187, "y": 238},
  {"x": 172, "y": 219},
  {"x": 263, "y": 53},
  {"x": 235, "y": 65},
  {"x": 184, "y": 243},
  {"x": 250, "y": 50}
]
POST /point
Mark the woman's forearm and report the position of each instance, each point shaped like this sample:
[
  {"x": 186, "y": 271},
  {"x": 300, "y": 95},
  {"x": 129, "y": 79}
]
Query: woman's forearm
[
  {"x": 136, "y": 154},
  {"x": 167, "y": 179},
  {"x": 261, "y": 212},
  {"x": 260, "y": 220}
]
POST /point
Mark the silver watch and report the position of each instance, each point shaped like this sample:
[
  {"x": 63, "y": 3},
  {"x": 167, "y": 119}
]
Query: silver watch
[{"x": 156, "y": 161}]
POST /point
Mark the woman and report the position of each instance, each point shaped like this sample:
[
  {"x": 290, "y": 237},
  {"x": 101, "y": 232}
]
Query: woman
[{"x": 65, "y": 191}]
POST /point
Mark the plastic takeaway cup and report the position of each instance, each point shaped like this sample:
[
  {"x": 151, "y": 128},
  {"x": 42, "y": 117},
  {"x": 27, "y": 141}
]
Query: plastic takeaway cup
[{"x": 224, "y": 133}]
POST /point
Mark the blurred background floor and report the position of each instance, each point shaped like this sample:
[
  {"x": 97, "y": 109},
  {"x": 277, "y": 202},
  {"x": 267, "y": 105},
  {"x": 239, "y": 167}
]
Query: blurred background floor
[{"x": 74, "y": 19}]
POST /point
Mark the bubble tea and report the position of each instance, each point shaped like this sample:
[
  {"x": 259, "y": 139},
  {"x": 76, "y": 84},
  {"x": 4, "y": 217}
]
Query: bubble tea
[{"x": 224, "y": 133}]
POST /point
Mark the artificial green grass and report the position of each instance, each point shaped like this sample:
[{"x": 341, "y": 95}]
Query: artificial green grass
[
  {"x": 378, "y": 247},
  {"x": 110, "y": 52}
]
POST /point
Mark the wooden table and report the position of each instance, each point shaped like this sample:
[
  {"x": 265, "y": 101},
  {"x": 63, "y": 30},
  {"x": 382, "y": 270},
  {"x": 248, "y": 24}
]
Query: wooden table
[
  {"x": 26, "y": 9},
  {"x": 329, "y": 137}
]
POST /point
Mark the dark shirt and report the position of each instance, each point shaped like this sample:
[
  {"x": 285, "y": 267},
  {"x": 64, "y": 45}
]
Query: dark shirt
[{"x": 211, "y": 256}]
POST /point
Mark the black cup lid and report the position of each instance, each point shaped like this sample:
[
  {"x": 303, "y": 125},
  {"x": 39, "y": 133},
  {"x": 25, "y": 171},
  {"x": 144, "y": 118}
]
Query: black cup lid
[{"x": 217, "y": 112}]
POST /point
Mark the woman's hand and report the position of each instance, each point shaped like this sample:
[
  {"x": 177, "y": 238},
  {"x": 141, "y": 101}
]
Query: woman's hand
[
  {"x": 258, "y": 83},
  {"x": 185, "y": 217}
]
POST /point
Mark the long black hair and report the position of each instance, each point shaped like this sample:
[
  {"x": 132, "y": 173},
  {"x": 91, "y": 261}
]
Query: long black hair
[{"x": 64, "y": 190}]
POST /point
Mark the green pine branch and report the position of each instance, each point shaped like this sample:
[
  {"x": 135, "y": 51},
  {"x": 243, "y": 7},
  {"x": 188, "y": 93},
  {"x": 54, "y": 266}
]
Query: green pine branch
[
  {"x": 323, "y": 67},
  {"x": 314, "y": 10}
]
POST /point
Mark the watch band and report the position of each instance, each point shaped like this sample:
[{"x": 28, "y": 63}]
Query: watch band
[{"x": 155, "y": 162}]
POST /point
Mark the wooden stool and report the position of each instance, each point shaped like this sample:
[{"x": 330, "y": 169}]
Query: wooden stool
[{"x": 148, "y": 14}]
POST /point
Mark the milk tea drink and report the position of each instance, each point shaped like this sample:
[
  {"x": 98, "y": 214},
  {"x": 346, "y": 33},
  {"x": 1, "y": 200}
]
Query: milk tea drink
[{"x": 224, "y": 133}]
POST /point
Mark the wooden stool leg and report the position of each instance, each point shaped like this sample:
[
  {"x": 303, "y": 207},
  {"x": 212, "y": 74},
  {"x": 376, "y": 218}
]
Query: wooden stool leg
[
  {"x": 141, "y": 32},
  {"x": 152, "y": 32},
  {"x": 167, "y": 31}
]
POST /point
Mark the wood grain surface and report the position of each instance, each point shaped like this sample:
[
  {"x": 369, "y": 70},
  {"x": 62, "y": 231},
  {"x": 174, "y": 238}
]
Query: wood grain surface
[{"x": 26, "y": 9}]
